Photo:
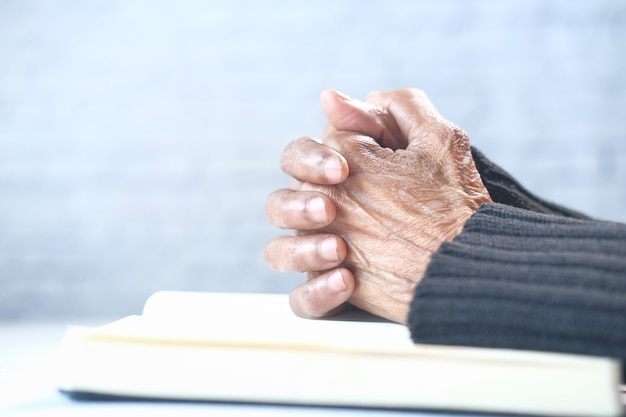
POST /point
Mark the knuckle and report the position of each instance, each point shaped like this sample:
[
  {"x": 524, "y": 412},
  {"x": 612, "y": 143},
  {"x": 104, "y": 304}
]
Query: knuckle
[
  {"x": 296, "y": 303},
  {"x": 292, "y": 152},
  {"x": 295, "y": 256},
  {"x": 270, "y": 259},
  {"x": 289, "y": 253},
  {"x": 278, "y": 207},
  {"x": 311, "y": 299},
  {"x": 456, "y": 135},
  {"x": 277, "y": 254},
  {"x": 416, "y": 92},
  {"x": 303, "y": 159},
  {"x": 459, "y": 133},
  {"x": 271, "y": 206}
]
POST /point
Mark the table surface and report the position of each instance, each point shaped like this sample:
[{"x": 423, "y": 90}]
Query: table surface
[{"x": 28, "y": 370}]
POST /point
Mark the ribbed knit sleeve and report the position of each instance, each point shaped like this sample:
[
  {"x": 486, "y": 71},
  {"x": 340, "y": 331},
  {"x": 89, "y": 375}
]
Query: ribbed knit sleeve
[{"x": 514, "y": 278}]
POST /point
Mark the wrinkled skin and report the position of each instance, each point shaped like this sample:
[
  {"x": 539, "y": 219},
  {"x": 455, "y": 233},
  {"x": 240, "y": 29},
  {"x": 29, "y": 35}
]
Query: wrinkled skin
[{"x": 390, "y": 181}]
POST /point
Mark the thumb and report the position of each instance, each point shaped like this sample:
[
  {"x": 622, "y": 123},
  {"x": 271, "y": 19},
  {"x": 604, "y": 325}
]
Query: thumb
[
  {"x": 345, "y": 113},
  {"x": 414, "y": 113}
]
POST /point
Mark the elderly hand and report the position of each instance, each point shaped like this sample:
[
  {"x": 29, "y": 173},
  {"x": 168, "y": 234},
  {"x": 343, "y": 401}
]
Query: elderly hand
[{"x": 392, "y": 211}]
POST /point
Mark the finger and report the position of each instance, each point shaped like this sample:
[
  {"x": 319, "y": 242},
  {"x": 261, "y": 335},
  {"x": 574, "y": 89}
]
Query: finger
[
  {"x": 362, "y": 152},
  {"x": 345, "y": 113},
  {"x": 323, "y": 295},
  {"x": 301, "y": 210},
  {"x": 412, "y": 109},
  {"x": 316, "y": 252},
  {"x": 311, "y": 161}
]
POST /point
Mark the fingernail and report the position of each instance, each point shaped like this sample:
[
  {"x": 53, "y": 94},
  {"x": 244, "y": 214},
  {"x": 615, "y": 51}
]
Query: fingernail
[
  {"x": 333, "y": 169},
  {"x": 336, "y": 282},
  {"x": 316, "y": 207},
  {"x": 328, "y": 249}
]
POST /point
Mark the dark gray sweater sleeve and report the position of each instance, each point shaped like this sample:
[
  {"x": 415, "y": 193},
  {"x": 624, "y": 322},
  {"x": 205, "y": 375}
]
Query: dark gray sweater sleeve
[
  {"x": 504, "y": 189},
  {"x": 519, "y": 279}
]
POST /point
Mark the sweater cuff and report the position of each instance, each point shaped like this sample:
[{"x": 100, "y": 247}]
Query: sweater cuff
[{"x": 524, "y": 280}]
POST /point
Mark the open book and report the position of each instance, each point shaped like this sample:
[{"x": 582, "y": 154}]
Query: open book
[{"x": 251, "y": 348}]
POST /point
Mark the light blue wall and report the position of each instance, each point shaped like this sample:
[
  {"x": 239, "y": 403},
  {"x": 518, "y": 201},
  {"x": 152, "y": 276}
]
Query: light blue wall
[{"x": 139, "y": 139}]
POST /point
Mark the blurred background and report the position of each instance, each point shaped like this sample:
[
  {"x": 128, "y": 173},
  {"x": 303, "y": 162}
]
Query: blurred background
[{"x": 139, "y": 139}]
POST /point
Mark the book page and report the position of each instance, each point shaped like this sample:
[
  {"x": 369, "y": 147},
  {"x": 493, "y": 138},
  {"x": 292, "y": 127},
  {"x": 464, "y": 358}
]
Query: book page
[
  {"x": 203, "y": 306},
  {"x": 265, "y": 320},
  {"x": 252, "y": 320}
]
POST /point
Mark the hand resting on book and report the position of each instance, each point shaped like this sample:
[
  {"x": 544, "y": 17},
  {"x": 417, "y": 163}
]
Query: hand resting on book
[{"x": 371, "y": 202}]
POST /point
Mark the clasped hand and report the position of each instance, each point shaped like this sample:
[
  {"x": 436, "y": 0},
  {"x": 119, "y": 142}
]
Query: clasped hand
[{"x": 370, "y": 202}]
